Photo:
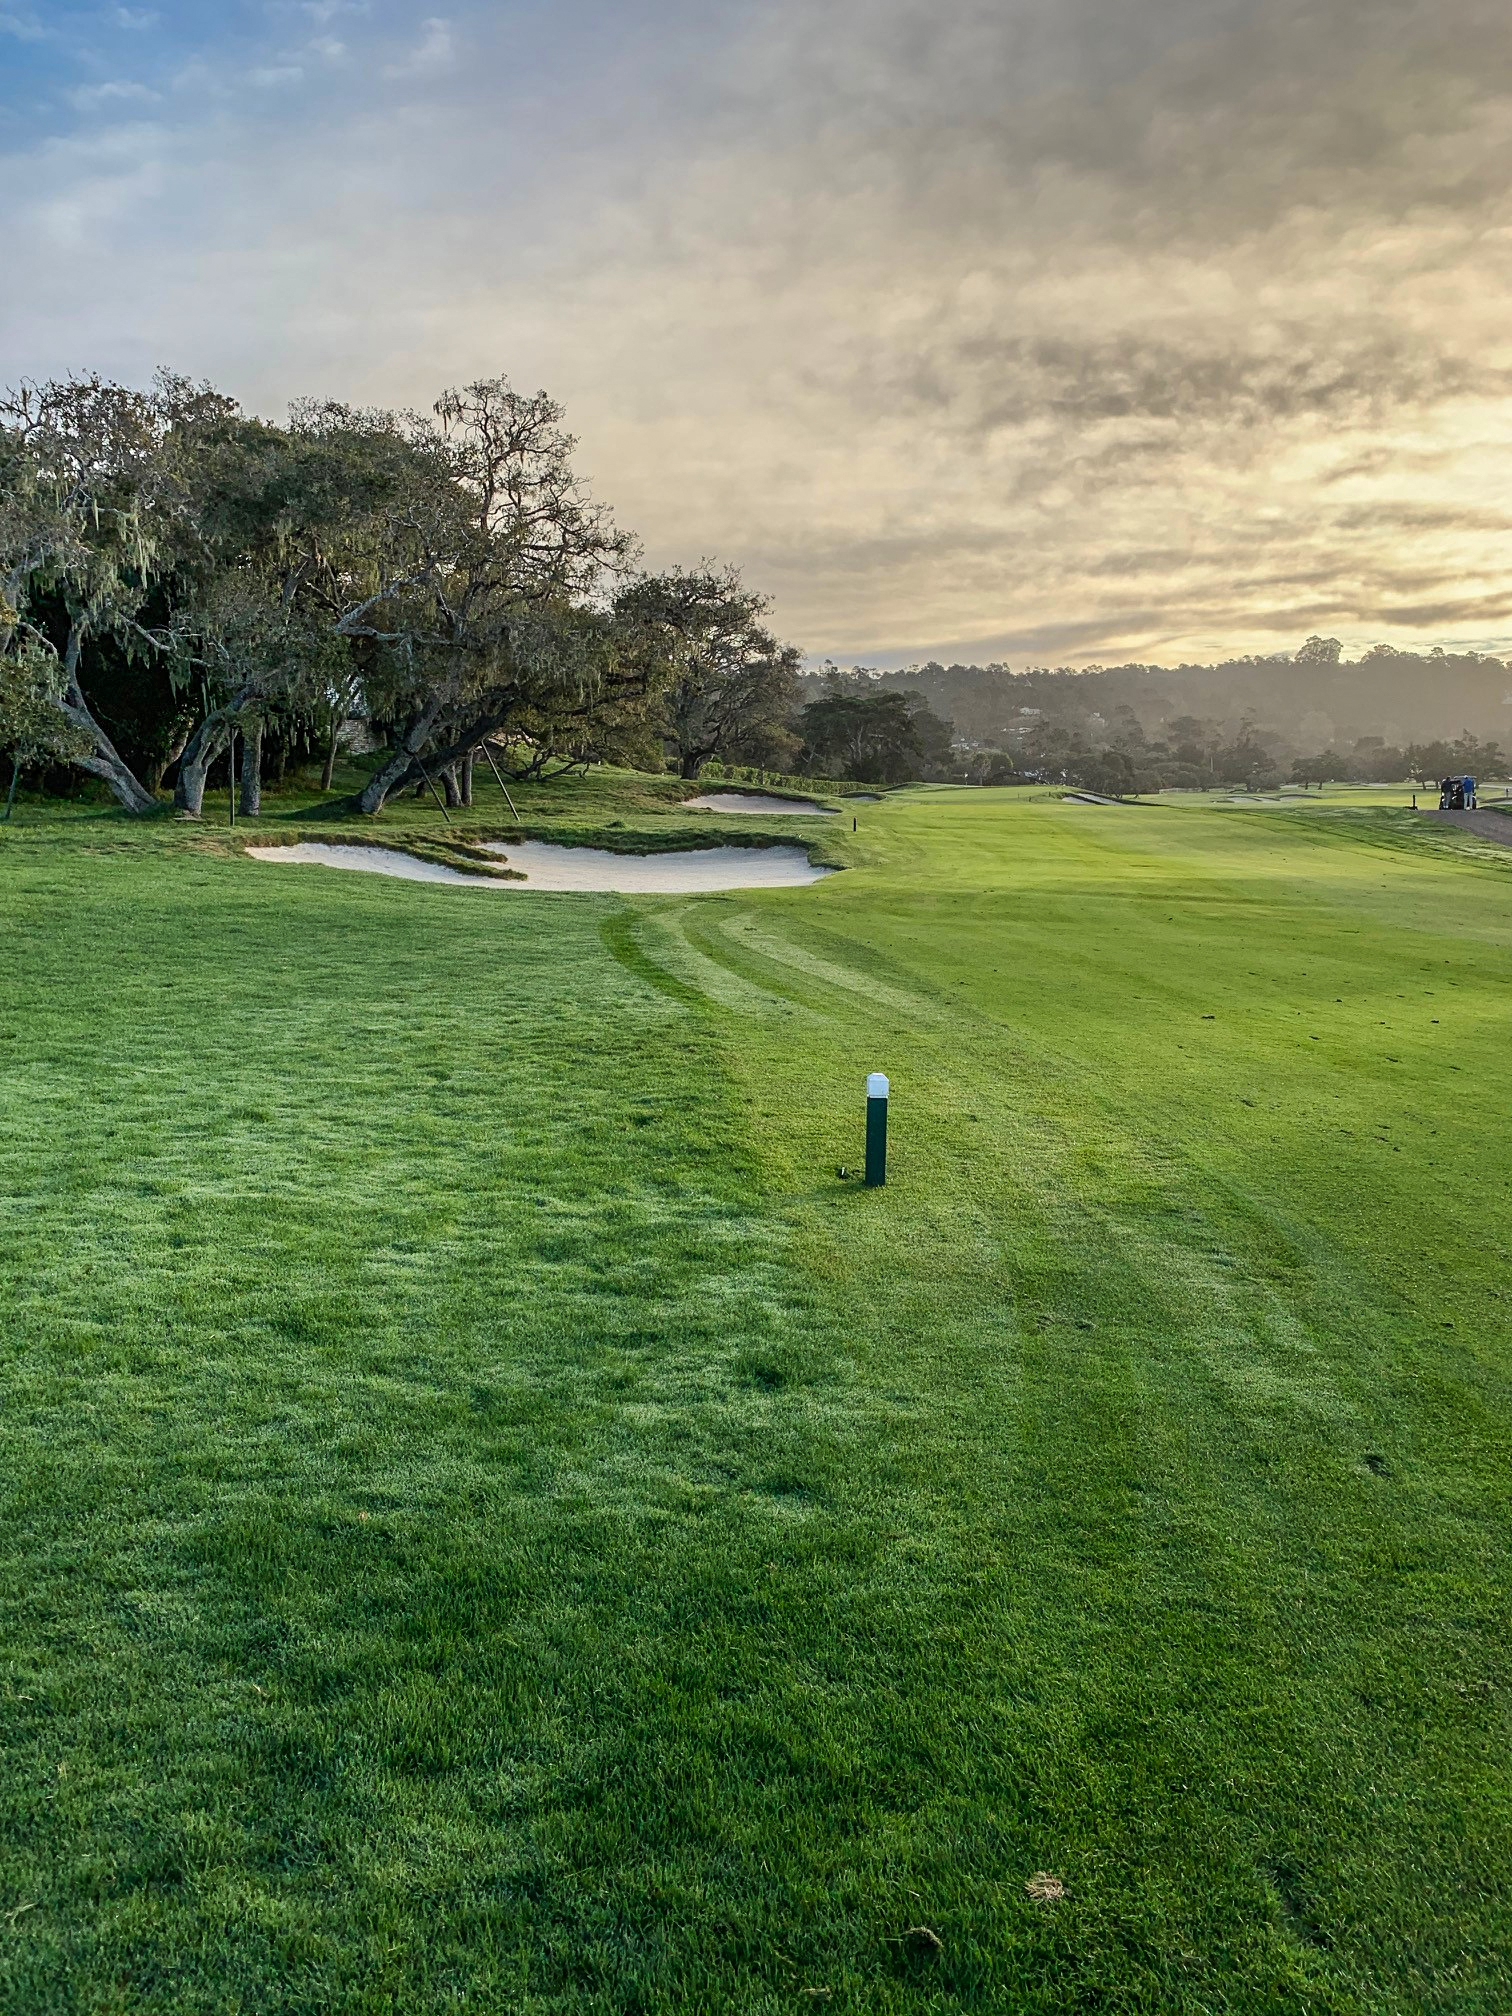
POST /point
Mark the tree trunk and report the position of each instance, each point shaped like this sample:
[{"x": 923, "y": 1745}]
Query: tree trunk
[
  {"x": 328, "y": 769},
  {"x": 251, "y": 773},
  {"x": 124, "y": 786},
  {"x": 10, "y": 801},
  {"x": 689, "y": 767},
  {"x": 160, "y": 770},
  {"x": 451, "y": 787},
  {"x": 465, "y": 772},
  {"x": 102, "y": 761},
  {"x": 200, "y": 752},
  {"x": 402, "y": 766},
  {"x": 389, "y": 776}
]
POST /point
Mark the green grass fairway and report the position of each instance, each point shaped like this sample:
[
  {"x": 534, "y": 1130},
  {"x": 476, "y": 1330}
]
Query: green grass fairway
[{"x": 493, "y": 1523}]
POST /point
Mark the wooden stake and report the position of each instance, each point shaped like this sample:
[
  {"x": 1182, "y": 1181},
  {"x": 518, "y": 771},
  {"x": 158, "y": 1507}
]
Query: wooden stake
[
  {"x": 434, "y": 792},
  {"x": 500, "y": 777}
]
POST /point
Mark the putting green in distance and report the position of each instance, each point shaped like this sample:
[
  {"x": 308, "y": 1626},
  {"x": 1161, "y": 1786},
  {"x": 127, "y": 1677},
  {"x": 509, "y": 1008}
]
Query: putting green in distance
[{"x": 492, "y": 1521}]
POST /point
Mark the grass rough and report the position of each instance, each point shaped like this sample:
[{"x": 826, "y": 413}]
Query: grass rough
[{"x": 491, "y": 1522}]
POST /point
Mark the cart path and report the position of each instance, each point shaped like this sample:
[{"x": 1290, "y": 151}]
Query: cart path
[{"x": 1485, "y": 825}]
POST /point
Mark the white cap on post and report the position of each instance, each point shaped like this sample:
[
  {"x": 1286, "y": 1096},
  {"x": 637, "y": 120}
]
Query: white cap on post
[{"x": 876, "y": 1086}]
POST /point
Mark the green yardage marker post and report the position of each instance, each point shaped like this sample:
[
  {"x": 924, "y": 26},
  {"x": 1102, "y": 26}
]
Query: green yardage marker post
[{"x": 876, "y": 1131}]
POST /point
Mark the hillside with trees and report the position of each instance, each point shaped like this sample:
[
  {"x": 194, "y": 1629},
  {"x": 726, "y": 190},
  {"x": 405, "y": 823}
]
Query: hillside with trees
[{"x": 1303, "y": 717}]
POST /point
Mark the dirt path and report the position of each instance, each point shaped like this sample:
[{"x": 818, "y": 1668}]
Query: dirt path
[{"x": 1484, "y": 825}]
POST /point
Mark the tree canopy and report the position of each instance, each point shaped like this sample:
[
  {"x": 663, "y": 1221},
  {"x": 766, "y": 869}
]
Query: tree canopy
[
  {"x": 176, "y": 573},
  {"x": 871, "y": 738},
  {"x": 730, "y": 687},
  {"x": 448, "y": 576}
]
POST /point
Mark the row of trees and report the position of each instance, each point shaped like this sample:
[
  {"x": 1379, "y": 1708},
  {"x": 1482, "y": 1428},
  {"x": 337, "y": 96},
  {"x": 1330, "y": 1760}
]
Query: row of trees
[
  {"x": 1202, "y": 755},
  {"x": 1066, "y": 740},
  {"x": 175, "y": 575},
  {"x": 1373, "y": 760},
  {"x": 1309, "y": 699}
]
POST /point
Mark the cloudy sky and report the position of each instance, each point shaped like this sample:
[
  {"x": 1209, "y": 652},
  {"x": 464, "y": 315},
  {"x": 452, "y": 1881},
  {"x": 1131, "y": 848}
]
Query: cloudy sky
[{"x": 1049, "y": 330}]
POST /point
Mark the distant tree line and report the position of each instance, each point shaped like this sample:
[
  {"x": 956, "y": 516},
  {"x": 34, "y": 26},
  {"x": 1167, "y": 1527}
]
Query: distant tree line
[
  {"x": 1253, "y": 723},
  {"x": 1205, "y": 755}
]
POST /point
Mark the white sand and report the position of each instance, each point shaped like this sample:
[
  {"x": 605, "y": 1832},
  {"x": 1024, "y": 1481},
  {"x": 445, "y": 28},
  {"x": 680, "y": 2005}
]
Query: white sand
[
  {"x": 756, "y": 801},
  {"x": 683, "y": 873},
  {"x": 582, "y": 868},
  {"x": 373, "y": 861}
]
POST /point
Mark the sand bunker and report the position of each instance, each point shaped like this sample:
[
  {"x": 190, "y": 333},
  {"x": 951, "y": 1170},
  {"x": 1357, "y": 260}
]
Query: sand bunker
[
  {"x": 547, "y": 867},
  {"x": 373, "y": 861},
  {"x": 755, "y": 801},
  {"x": 582, "y": 868}
]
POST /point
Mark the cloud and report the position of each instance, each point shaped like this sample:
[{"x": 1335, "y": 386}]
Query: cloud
[
  {"x": 25, "y": 27},
  {"x": 138, "y": 19},
  {"x": 1025, "y": 326},
  {"x": 73, "y": 198},
  {"x": 91, "y": 97},
  {"x": 433, "y": 53}
]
